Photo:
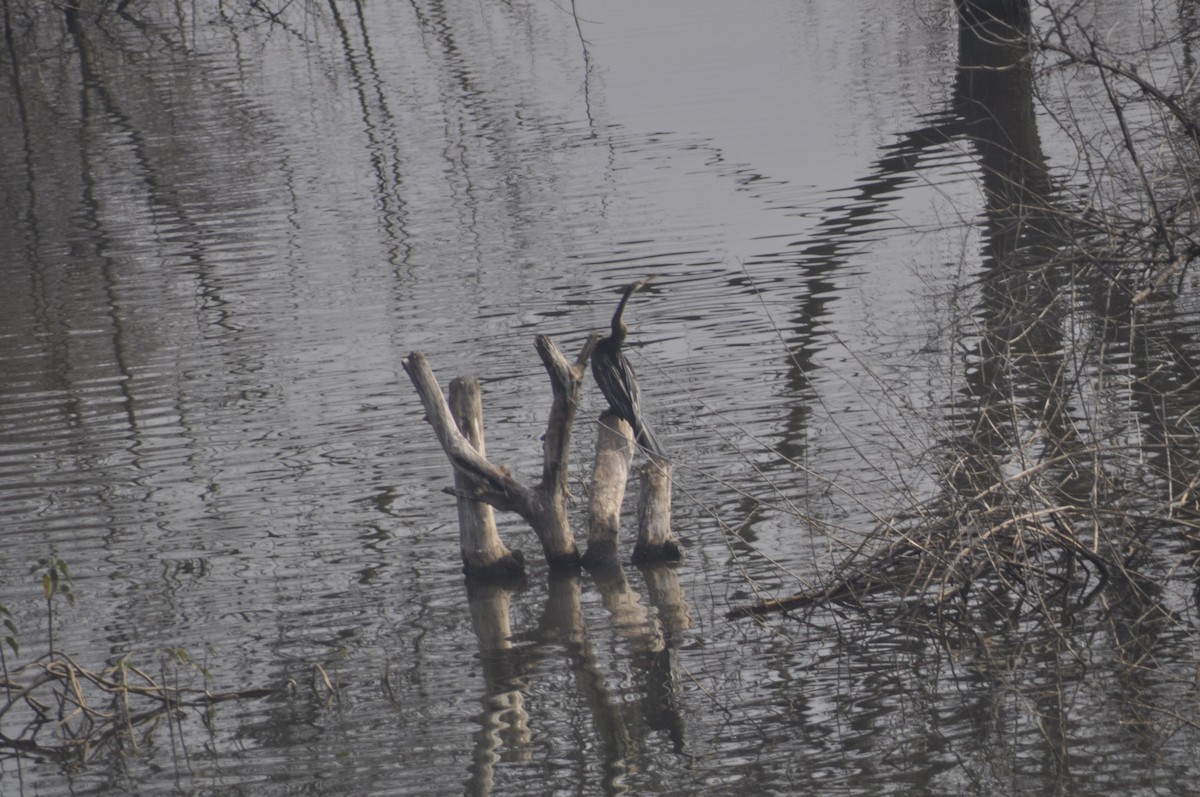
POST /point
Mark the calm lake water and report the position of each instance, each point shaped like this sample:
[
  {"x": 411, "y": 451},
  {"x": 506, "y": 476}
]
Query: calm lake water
[{"x": 222, "y": 230}]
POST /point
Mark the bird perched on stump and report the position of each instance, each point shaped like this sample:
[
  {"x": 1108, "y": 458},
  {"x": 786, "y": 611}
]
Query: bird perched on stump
[{"x": 618, "y": 382}]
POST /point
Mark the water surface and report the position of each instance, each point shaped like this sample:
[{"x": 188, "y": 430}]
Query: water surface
[{"x": 222, "y": 231}]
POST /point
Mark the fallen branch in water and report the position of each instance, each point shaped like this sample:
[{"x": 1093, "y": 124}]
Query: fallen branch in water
[{"x": 87, "y": 710}]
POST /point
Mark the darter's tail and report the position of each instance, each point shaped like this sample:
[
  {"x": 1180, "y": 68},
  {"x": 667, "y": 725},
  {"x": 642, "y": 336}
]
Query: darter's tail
[{"x": 647, "y": 440}]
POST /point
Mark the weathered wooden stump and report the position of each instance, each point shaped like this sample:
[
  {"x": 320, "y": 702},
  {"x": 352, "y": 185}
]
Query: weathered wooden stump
[
  {"x": 484, "y": 555},
  {"x": 614, "y": 453},
  {"x": 656, "y": 540},
  {"x": 544, "y": 505}
]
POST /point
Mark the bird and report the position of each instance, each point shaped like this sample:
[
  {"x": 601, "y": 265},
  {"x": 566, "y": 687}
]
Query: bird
[{"x": 618, "y": 382}]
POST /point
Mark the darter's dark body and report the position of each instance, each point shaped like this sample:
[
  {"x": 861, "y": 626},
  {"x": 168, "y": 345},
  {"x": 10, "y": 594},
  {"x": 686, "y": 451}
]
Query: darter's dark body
[{"x": 618, "y": 382}]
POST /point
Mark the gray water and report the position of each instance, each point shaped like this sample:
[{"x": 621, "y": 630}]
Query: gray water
[{"x": 221, "y": 233}]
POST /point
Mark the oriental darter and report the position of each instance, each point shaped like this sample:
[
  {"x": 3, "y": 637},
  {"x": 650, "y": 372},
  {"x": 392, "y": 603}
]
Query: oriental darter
[{"x": 617, "y": 381}]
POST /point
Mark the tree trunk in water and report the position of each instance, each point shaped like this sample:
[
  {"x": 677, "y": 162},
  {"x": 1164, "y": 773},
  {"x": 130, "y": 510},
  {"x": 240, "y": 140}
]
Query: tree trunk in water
[
  {"x": 484, "y": 555},
  {"x": 656, "y": 541},
  {"x": 544, "y": 505},
  {"x": 614, "y": 453}
]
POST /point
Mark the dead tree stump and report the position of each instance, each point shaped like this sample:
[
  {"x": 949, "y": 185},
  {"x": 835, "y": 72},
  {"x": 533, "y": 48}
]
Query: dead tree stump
[
  {"x": 544, "y": 505},
  {"x": 484, "y": 555},
  {"x": 614, "y": 453},
  {"x": 656, "y": 540}
]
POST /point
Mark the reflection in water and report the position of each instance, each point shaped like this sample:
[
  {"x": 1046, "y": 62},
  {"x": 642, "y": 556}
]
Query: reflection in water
[
  {"x": 620, "y": 728},
  {"x": 504, "y": 721},
  {"x": 223, "y": 224},
  {"x": 380, "y": 126}
]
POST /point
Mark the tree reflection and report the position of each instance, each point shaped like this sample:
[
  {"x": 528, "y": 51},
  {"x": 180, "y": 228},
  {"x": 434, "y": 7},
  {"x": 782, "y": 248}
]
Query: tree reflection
[
  {"x": 1067, "y": 463},
  {"x": 1027, "y": 457},
  {"x": 504, "y": 722},
  {"x": 619, "y": 726}
]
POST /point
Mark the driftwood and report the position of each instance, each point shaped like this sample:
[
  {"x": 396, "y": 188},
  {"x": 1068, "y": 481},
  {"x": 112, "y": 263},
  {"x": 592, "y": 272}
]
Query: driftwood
[{"x": 543, "y": 505}]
